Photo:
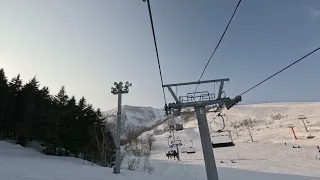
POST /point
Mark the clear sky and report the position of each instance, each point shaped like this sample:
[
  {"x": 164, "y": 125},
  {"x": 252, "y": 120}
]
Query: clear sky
[{"x": 87, "y": 45}]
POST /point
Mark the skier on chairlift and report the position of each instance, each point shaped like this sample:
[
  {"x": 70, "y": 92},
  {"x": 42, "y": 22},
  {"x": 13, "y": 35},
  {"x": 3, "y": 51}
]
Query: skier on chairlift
[{"x": 174, "y": 154}]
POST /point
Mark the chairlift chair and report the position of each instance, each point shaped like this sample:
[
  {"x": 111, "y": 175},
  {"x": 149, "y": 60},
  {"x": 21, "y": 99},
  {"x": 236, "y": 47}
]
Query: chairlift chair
[
  {"x": 177, "y": 143},
  {"x": 176, "y": 112},
  {"x": 223, "y": 143},
  {"x": 170, "y": 152},
  {"x": 191, "y": 149},
  {"x": 179, "y": 127}
]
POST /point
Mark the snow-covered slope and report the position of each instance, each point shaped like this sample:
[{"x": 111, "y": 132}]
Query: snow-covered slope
[
  {"x": 135, "y": 118},
  {"x": 18, "y": 163},
  {"x": 267, "y": 153},
  {"x": 265, "y": 127},
  {"x": 266, "y": 158}
]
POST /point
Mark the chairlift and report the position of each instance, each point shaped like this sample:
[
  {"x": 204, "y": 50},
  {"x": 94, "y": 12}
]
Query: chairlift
[
  {"x": 172, "y": 151},
  {"x": 169, "y": 136},
  {"x": 177, "y": 142},
  {"x": 179, "y": 127},
  {"x": 224, "y": 125},
  {"x": 310, "y": 136},
  {"x": 176, "y": 112},
  {"x": 222, "y": 140},
  {"x": 191, "y": 149}
]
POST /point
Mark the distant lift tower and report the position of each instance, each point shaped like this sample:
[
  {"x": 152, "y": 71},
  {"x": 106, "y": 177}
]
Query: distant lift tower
[{"x": 199, "y": 101}]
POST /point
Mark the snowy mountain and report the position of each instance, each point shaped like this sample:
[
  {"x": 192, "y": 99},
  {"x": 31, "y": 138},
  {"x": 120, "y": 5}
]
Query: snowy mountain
[{"x": 135, "y": 119}]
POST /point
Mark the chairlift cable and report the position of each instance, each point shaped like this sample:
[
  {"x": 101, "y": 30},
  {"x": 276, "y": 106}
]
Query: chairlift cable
[
  {"x": 273, "y": 76},
  {"x": 156, "y": 48},
  {"x": 280, "y": 71},
  {"x": 234, "y": 12}
]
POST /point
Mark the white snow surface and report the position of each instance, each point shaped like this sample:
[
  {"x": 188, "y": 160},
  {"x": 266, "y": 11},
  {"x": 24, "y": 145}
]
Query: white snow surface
[{"x": 18, "y": 163}]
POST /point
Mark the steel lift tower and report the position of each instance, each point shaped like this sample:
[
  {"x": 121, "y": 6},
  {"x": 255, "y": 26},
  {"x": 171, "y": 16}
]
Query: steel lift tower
[{"x": 199, "y": 101}]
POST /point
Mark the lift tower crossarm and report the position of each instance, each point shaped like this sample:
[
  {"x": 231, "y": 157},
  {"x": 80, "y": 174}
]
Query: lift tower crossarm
[
  {"x": 196, "y": 82},
  {"x": 200, "y": 103},
  {"x": 169, "y": 86}
]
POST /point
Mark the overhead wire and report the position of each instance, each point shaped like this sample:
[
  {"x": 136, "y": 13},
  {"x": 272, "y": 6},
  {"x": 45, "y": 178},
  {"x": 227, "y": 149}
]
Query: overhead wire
[
  {"x": 156, "y": 48},
  {"x": 271, "y": 77},
  {"x": 295, "y": 62},
  {"x": 159, "y": 65},
  {"x": 300, "y": 59},
  {"x": 217, "y": 46}
]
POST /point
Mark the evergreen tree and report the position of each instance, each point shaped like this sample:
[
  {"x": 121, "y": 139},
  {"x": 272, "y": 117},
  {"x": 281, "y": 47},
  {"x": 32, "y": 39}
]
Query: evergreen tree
[
  {"x": 15, "y": 87},
  {"x": 28, "y": 113},
  {"x": 4, "y": 105}
]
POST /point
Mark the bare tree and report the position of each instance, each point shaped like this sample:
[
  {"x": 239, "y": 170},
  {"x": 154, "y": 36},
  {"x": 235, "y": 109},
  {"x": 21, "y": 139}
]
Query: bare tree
[
  {"x": 100, "y": 137},
  {"x": 123, "y": 155},
  {"x": 277, "y": 116},
  {"x": 156, "y": 130},
  {"x": 133, "y": 163},
  {"x": 146, "y": 166},
  {"x": 150, "y": 141},
  {"x": 248, "y": 123},
  {"x": 138, "y": 153},
  {"x": 235, "y": 125},
  {"x": 138, "y": 147}
]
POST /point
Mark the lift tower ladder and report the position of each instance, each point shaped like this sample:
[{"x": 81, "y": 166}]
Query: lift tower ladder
[{"x": 199, "y": 101}]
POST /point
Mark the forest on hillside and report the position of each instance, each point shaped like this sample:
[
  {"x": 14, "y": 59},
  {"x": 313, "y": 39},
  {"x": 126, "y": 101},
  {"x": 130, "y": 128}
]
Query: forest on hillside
[{"x": 63, "y": 125}]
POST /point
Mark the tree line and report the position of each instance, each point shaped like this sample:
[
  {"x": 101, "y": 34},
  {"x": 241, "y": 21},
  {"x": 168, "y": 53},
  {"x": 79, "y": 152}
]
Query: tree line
[{"x": 63, "y": 125}]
